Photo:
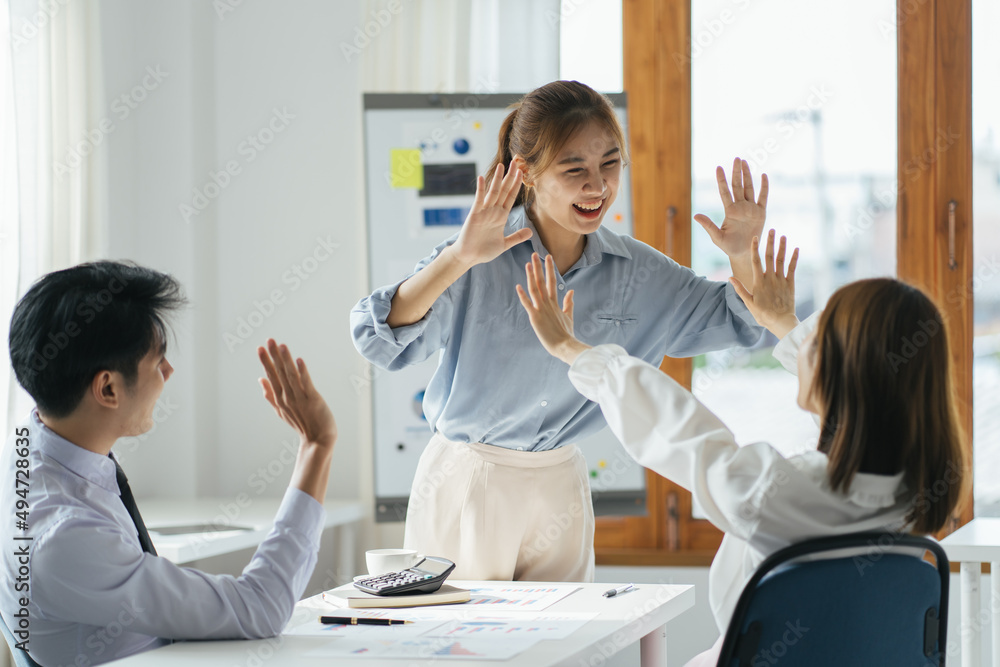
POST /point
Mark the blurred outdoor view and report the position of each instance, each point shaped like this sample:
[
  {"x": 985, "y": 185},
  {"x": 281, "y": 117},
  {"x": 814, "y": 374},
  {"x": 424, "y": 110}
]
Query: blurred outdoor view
[{"x": 809, "y": 97}]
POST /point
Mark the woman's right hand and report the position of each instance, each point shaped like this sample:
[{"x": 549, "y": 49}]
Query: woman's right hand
[
  {"x": 481, "y": 239},
  {"x": 553, "y": 324}
]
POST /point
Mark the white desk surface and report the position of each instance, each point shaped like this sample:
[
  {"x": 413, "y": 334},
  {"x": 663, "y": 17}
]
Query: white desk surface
[
  {"x": 622, "y": 621},
  {"x": 258, "y": 514},
  {"x": 978, "y": 540}
]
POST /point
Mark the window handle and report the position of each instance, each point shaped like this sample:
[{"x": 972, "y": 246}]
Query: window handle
[
  {"x": 671, "y": 214},
  {"x": 952, "y": 205},
  {"x": 673, "y": 522}
]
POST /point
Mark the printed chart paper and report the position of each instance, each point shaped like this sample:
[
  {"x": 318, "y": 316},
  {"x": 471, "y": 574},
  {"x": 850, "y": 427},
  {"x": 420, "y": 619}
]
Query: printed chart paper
[
  {"x": 438, "y": 648},
  {"x": 538, "y": 626},
  {"x": 518, "y": 598}
]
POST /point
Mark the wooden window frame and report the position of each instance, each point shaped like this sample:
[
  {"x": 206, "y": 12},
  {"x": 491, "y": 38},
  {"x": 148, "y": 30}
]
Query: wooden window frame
[{"x": 934, "y": 100}]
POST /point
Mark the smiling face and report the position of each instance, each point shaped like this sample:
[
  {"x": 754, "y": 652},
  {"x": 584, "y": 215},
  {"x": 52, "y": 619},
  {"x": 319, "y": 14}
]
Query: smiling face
[{"x": 574, "y": 192}]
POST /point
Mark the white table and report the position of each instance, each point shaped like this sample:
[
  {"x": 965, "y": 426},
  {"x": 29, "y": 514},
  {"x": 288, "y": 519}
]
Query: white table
[
  {"x": 640, "y": 615},
  {"x": 257, "y": 514},
  {"x": 973, "y": 544}
]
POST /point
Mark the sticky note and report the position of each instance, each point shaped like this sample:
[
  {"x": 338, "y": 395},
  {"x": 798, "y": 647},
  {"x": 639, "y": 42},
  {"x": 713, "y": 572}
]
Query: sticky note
[{"x": 406, "y": 168}]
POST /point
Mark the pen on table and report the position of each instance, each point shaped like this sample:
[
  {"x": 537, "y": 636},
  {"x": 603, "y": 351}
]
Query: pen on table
[
  {"x": 618, "y": 591},
  {"x": 359, "y": 620}
]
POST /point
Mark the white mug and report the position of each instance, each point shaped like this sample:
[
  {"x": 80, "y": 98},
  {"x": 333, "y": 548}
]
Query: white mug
[{"x": 380, "y": 561}]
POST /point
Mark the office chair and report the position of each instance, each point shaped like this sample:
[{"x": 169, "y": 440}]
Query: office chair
[
  {"x": 872, "y": 608},
  {"x": 21, "y": 658}
]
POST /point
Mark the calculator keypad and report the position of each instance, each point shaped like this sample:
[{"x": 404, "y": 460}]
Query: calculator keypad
[{"x": 390, "y": 581}]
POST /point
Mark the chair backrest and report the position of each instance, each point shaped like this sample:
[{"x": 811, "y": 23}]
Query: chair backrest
[
  {"x": 876, "y": 607},
  {"x": 21, "y": 658}
]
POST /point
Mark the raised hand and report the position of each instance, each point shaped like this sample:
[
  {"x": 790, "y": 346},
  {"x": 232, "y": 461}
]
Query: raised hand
[
  {"x": 772, "y": 301},
  {"x": 744, "y": 217},
  {"x": 552, "y": 324},
  {"x": 290, "y": 391},
  {"x": 481, "y": 238}
]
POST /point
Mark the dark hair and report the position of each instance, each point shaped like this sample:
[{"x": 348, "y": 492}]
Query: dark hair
[
  {"x": 544, "y": 120},
  {"x": 93, "y": 317},
  {"x": 883, "y": 381}
]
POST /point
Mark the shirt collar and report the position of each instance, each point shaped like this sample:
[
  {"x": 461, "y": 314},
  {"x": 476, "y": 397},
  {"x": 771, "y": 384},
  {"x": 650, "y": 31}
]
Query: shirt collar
[
  {"x": 875, "y": 491},
  {"x": 598, "y": 243},
  {"x": 91, "y": 466}
]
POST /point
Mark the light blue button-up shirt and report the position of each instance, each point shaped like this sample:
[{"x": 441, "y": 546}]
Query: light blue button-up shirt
[
  {"x": 92, "y": 594},
  {"x": 496, "y": 384}
]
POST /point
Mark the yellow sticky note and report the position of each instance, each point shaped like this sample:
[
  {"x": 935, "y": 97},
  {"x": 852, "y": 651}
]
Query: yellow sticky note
[{"x": 406, "y": 168}]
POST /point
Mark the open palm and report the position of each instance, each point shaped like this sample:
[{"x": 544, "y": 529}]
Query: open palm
[
  {"x": 744, "y": 216},
  {"x": 481, "y": 238}
]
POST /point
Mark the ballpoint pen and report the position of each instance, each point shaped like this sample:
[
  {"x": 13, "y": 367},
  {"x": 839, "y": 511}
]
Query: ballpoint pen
[
  {"x": 359, "y": 620},
  {"x": 618, "y": 591}
]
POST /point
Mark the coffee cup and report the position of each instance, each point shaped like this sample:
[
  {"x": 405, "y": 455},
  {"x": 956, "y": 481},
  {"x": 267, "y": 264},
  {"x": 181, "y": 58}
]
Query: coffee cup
[{"x": 380, "y": 561}]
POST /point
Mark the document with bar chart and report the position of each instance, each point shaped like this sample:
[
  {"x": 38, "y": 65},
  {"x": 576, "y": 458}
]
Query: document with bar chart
[
  {"x": 536, "y": 626},
  {"x": 438, "y": 648},
  {"x": 518, "y": 598}
]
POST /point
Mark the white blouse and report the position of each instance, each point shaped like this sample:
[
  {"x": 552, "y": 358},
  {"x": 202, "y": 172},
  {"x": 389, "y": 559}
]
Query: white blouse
[{"x": 760, "y": 499}]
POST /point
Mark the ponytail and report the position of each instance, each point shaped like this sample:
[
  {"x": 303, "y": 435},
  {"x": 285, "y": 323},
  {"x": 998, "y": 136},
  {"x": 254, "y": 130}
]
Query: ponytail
[{"x": 505, "y": 155}]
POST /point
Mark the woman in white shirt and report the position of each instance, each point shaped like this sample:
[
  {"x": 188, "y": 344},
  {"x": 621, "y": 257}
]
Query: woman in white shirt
[{"x": 874, "y": 368}]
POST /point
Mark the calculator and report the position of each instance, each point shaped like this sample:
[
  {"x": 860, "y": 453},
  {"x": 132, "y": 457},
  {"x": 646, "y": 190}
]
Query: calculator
[{"x": 424, "y": 577}]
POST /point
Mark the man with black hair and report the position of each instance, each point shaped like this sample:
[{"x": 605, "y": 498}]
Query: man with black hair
[{"x": 89, "y": 345}]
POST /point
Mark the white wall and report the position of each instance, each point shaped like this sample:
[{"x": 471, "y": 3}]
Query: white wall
[{"x": 225, "y": 79}]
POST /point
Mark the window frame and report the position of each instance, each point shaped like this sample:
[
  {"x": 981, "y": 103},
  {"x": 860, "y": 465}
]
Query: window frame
[{"x": 934, "y": 95}]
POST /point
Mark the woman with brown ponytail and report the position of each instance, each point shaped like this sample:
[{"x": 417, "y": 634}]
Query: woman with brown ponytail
[{"x": 501, "y": 489}]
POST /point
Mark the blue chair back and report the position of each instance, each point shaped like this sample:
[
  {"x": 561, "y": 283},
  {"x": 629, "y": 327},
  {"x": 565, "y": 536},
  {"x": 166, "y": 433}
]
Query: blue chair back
[
  {"x": 21, "y": 658},
  {"x": 878, "y": 607}
]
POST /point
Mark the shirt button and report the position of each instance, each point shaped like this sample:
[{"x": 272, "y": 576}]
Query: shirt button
[
  {"x": 544, "y": 403},
  {"x": 618, "y": 323},
  {"x": 520, "y": 449},
  {"x": 562, "y": 286}
]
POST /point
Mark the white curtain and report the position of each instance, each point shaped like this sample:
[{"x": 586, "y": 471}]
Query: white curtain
[
  {"x": 443, "y": 46},
  {"x": 53, "y": 124}
]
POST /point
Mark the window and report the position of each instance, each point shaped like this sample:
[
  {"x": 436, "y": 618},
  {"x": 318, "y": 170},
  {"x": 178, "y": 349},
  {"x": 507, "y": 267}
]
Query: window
[
  {"x": 824, "y": 130},
  {"x": 917, "y": 49},
  {"x": 986, "y": 257}
]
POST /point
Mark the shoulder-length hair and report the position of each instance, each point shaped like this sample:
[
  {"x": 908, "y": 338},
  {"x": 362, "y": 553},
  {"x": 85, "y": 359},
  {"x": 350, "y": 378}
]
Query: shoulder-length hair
[{"x": 886, "y": 395}]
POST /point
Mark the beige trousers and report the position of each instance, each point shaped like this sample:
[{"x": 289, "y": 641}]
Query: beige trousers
[{"x": 502, "y": 514}]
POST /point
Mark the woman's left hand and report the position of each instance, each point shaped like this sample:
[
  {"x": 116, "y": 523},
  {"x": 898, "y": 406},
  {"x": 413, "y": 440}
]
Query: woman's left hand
[
  {"x": 552, "y": 324},
  {"x": 772, "y": 300},
  {"x": 744, "y": 217}
]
